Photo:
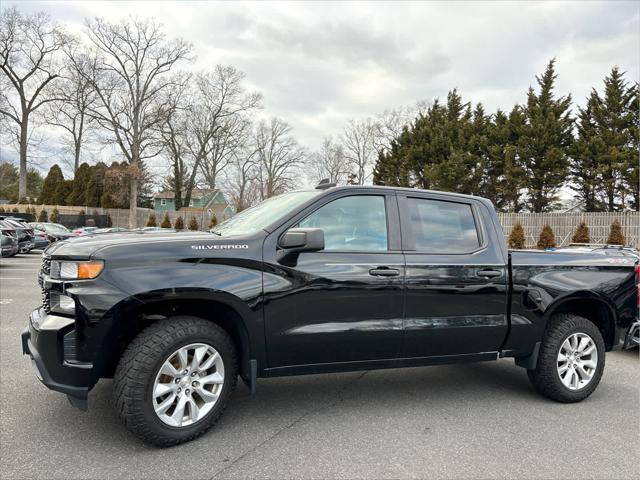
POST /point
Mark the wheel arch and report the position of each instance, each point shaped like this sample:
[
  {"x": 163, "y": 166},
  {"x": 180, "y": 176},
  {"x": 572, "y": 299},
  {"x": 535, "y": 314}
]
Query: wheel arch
[
  {"x": 592, "y": 307},
  {"x": 134, "y": 314}
]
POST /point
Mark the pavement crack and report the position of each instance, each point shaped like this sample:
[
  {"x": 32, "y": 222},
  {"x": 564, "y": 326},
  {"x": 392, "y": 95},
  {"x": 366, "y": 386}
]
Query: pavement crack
[{"x": 339, "y": 398}]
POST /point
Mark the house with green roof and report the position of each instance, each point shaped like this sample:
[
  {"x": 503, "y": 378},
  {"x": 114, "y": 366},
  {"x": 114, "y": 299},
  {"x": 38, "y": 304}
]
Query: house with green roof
[{"x": 201, "y": 199}]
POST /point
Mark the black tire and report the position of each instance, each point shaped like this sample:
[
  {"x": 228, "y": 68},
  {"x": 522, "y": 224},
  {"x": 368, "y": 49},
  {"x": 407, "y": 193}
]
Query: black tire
[
  {"x": 140, "y": 363},
  {"x": 545, "y": 377}
]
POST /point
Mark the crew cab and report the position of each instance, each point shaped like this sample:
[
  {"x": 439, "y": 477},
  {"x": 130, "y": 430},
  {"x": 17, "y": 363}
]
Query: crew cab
[{"x": 324, "y": 280}]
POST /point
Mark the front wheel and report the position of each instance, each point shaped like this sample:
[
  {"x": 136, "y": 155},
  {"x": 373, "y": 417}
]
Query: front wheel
[
  {"x": 174, "y": 380},
  {"x": 571, "y": 359}
]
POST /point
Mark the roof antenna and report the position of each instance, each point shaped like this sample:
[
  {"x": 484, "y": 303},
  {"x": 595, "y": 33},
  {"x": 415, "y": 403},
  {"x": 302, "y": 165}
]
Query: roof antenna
[{"x": 324, "y": 184}]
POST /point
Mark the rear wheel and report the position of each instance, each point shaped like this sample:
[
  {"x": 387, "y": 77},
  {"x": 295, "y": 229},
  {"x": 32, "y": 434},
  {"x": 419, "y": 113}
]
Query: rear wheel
[
  {"x": 174, "y": 380},
  {"x": 571, "y": 359}
]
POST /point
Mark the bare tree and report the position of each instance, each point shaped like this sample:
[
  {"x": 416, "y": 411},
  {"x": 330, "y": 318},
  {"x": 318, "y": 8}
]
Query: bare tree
[
  {"x": 328, "y": 163},
  {"x": 241, "y": 183},
  {"x": 173, "y": 138},
  {"x": 215, "y": 121},
  {"x": 29, "y": 47},
  {"x": 359, "y": 140},
  {"x": 72, "y": 100},
  {"x": 279, "y": 156},
  {"x": 129, "y": 70},
  {"x": 390, "y": 123}
]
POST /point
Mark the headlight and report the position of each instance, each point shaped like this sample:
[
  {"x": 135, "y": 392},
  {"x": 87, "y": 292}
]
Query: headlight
[{"x": 64, "y": 270}]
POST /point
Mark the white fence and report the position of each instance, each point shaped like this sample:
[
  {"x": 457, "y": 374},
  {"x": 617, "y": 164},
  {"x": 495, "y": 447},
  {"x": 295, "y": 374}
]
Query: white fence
[{"x": 564, "y": 225}]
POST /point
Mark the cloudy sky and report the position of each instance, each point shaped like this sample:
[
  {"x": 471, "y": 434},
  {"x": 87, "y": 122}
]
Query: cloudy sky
[{"x": 319, "y": 64}]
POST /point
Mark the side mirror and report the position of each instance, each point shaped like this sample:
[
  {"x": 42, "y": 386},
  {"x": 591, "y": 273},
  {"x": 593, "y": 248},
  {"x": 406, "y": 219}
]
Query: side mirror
[{"x": 302, "y": 240}]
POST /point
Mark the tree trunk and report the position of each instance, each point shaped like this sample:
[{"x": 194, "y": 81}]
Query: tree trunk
[
  {"x": 133, "y": 202},
  {"x": 22, "y": 184}
]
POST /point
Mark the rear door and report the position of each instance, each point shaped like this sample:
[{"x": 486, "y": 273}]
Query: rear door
[{"x": 456, "y": 277}]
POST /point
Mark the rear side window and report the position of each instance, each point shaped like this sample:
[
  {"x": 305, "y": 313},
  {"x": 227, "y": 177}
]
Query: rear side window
[
  {"x": 442, "y": 227},
  {"x": 357, "y": 223}
]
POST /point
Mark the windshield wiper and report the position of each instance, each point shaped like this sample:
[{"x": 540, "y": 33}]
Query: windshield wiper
[{"x": 215, "y": 232}]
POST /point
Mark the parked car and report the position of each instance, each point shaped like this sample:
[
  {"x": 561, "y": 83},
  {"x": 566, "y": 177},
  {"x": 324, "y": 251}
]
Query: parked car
[
  {"x": 84, "y": 230},
  {"x": 325, "y": 280},
  {"x": 9, "y": 240},
  {"x": 110, "y": 230},
  {"x": 54, "y": 231},
  {"x": 40, "y": 240},
  {"x": 26, "y": 241}
]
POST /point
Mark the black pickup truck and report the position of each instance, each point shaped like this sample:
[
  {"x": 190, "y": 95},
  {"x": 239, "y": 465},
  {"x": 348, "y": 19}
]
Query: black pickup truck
[{"x": 324, "y": 280}]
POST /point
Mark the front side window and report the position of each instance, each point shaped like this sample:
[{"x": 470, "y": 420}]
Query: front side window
[
  {"x": 442, "y": 227},
  {"x": 357, "y": 223}
]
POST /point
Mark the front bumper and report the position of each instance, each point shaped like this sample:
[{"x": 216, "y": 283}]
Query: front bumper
[
  {"x": 632, "y": 339},
  {"x": 46, "y": 346}
]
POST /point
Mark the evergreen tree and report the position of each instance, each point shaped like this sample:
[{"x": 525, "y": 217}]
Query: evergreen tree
[
  {"x": 43, "y": 217},
  {"x": 78, "y": 194},
  {"x": 585, "y": 154},
  {"x": 615, "y": 234},
  {"x": 631, "y": 177},
  {"x": 52, "y": 181},
  {"x": 95, "y": 185},
  {"x": 581, "y": 235},
  {"x": 516, "y": 237},
  {"x": 615, "y": 128},
  {"x": 179, "y": 224},
  {"x": 1, "y": 209},
  {"x": 193, "y": 224},
  {"x": 109, "y": 221},
  {"x": 166, "y": 223},
  {"x": 547, "y": 238},
  {"x": 152, "y": 222},
  {"x": 15, "y": 210},
  {"x": 213, "y": 222},
  {"x": 504, "y": 176},
  {"x": 544, "y": 142},
  {"x": 53, "y": 218}
]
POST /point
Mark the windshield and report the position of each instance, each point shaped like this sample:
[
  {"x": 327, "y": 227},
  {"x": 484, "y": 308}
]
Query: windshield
[{"x": 264, "y": 214}]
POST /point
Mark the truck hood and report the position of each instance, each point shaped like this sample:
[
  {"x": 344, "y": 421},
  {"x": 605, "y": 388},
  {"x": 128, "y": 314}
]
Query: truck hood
[{"x": 89, "y": 245}]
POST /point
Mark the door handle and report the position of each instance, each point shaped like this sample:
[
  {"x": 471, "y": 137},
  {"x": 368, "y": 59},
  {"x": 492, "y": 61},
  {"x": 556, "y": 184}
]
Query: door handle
[
  {"x": 384, "y": 272},
  {"x": 489, "y": 273}
]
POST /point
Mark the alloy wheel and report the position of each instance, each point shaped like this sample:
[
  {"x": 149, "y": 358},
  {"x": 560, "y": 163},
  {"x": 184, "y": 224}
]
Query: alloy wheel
[{"x": 188, "y": 385}]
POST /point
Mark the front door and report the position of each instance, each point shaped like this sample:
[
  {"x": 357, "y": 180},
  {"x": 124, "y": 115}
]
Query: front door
[
  {"x": 456, "y": 278},
  {"x": 344, "y": 303}
]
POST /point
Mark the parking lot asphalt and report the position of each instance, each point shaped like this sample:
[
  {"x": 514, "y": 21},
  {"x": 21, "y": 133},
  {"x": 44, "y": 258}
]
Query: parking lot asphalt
[{"x": 461, "y": 421}]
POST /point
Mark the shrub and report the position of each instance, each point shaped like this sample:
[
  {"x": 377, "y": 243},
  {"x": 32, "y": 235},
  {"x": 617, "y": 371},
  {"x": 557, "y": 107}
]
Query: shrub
[
  {"x": 547, "y": 238},
  {"x": 193, "y": 224},
  {"x": 53, "y": 218},
  {"x": 15, "y": 210},
  {"x": 109, "y": 221},
  {"x": 43, "y": 217},
  {"x": 82, "y": 218},
  {"x": 179, "y": 225},
  {"x": 615, "y": 234},
  {"x": 151, "y": 221},
  {"x": 1, "y": 209},
  {"x": 516, "y": 237},
  {"x": 581, "y": 234},
  {"x": 213, "y": 222},
  {"x": 166, "y": 223}
]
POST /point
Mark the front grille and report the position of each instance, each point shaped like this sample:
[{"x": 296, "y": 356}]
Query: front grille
[
  {"x": 45, "y": 270},
  {"x": 46, "y": 265},
  {"x": 46, "y": 300}
]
